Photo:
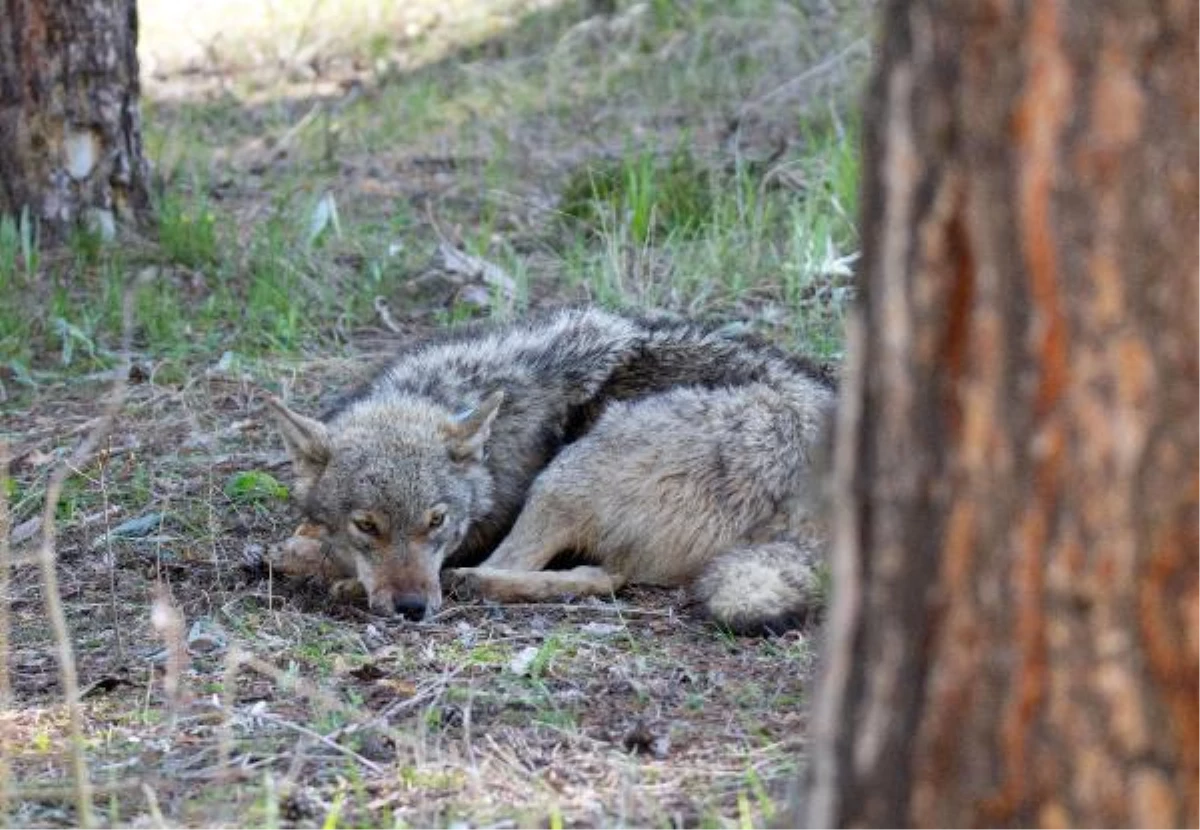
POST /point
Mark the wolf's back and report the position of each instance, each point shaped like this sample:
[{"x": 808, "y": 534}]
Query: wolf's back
[
  {"x": 584, "y": 358},
  {"x": 754, "y": 457},
  {"x": 568, "y": 354}
]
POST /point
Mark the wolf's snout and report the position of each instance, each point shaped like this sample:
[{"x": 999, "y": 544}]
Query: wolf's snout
[{"x": 409, "y": 606}]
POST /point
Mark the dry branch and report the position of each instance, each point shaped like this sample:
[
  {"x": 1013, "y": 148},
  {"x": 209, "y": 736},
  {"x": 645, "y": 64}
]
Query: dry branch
[{"x": 5, "y": 681}]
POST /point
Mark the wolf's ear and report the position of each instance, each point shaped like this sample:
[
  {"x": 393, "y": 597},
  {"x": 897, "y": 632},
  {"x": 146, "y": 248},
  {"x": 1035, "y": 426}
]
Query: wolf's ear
[
  {"x": 467, "y": 433},
  {"x": 307, "y": 440}
]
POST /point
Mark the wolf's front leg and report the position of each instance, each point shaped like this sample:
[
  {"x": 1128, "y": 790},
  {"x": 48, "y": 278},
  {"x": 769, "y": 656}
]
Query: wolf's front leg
[
  {"x": 530, "y": 586},
  {"x": 548, "y": 524}
]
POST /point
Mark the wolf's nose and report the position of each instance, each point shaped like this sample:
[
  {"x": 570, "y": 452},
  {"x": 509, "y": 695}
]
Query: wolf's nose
[{"x": 409, "y": 607}]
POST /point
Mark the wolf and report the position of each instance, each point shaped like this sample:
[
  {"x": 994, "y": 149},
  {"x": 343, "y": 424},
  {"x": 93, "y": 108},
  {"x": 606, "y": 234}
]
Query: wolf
[
  {"x": 707, "y": 488},
  {"x": 691, "y": 448}
]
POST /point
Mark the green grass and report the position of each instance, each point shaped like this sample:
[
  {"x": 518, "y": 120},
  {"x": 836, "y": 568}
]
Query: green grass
[
  {"x": 254, "y": 487},
  {"x": 187, "y": 228},
  {"x": 19, "y": 259},
  {"x": 671, "y": 233},
  {"x": 591, "y": 160},
  {"x": 670, "y": 220},
  {"x": 654, "y": 198}
]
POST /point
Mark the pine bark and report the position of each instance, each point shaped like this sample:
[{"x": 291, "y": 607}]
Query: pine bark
[
  {"x": 1013, "y": 632},
  {"x": 70, "y": 127}
]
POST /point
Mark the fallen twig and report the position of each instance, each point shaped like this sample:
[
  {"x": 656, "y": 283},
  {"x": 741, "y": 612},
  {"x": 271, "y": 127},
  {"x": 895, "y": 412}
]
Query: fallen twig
[
  {"x": 454, "y": 261},
  {"x": 830, "y": 63},
  {"x": 456, "y": 610},
  {"x": 238, "y": 658},
  {"x": 5, "y": 682}
]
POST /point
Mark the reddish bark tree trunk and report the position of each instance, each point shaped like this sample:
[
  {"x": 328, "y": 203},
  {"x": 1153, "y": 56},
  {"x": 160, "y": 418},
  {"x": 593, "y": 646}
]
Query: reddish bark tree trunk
[
  {"x": 1013, "y": 633},
  {"x": 70, "y": 130}
]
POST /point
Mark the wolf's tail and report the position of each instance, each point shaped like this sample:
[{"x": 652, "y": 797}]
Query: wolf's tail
[{"x": 764, "y": 589}]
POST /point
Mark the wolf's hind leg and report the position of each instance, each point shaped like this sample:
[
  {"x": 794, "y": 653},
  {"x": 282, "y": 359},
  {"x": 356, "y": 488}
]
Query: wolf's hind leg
[
  {"x": 767, "y": 588},
  {"x": 530, "y": 586}
]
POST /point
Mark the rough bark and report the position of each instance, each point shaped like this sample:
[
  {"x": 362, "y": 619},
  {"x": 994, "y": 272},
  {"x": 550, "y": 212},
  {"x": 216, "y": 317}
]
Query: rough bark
[
  {"x": 69, "y": 121},
  {"x": 1013, "y": 632}
]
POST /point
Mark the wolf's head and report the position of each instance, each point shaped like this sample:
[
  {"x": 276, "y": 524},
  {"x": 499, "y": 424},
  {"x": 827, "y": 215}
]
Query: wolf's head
[{"x": 395, "y": 484}]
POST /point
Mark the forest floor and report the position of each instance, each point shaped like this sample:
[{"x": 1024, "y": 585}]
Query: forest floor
[{"x": 331, "y": 179}]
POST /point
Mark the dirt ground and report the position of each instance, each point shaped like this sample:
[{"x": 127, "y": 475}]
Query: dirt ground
[{"x": 213, "y": 693}]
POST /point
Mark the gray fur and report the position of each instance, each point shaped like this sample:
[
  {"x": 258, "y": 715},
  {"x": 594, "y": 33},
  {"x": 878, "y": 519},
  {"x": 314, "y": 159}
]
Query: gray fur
[
  {"x": 431, "y": 462},
  {"x": 709, "y": 488}
]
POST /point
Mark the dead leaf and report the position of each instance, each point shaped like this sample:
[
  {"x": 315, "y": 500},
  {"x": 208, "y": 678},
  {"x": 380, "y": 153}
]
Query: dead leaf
[
  {"x": 25, "y": 531},
  {"x": 106, "y": 684},
  {"x": 371, "y": 671},
  {"x": 32, "y": 460},
  {"x": 205, "y": 637}
]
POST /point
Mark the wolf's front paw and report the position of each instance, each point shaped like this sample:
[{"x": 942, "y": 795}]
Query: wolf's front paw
[
  {"x": 462, "y": 583},
  {"x": 308, "y": 552},
  {"x": 297, "y": 556}
]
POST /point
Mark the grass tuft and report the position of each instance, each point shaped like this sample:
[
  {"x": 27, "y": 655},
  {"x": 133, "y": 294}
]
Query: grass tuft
[
  {"x": 187, "y": 228},
  {"x": 654, "y": 198},
  {"x": 254, "y": 487}
]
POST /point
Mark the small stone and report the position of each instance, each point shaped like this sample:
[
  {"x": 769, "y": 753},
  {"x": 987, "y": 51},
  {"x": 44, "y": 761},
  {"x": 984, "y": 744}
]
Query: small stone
[
  {"x": 101, "y": 222},
  {"x": 205, "y": 637},
  {"x": 523, "y": 660},
  {"x": 254, "y": 555},
  {"x": 141, "y": 526}
]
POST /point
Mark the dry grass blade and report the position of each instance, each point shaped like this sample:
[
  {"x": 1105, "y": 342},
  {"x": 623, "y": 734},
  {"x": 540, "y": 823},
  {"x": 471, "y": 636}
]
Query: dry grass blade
[
  {"x": 168, "y": 622},
  {"x": 385, "y": 316},
  {"x": 304, "y": 687},
  {"x": 860, "y": 46},
  {"x": 48, "y": 561},
  {"x": 5, "y": 681},
  {"x": 324, "y": 740},
  {"x": 61, "y": 792},
  {"x": 237, "y": 658}
]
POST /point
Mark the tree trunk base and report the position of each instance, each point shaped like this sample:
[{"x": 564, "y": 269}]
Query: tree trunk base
[{"x": 69, "y": 117}]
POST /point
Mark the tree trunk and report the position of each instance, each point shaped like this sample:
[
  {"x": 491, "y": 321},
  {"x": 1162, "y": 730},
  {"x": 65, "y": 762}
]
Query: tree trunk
[
  {"x": 1013, "y": 632},
  {"x": 70, "y": 131}
]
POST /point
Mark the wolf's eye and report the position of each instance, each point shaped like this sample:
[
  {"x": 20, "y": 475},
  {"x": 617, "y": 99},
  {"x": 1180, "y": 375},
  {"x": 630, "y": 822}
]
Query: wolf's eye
[
  {"x": 437, "y": 517},
  {"x": 366, "y": 526}
]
